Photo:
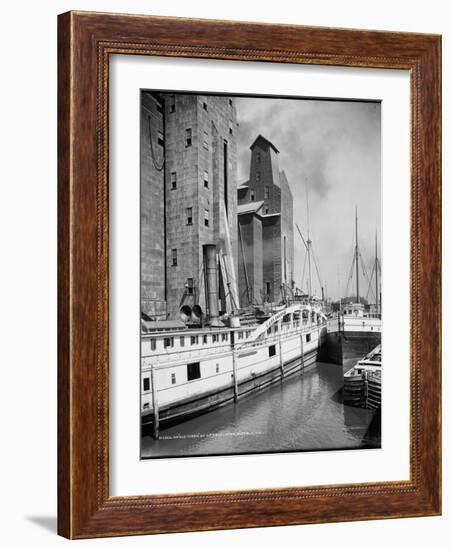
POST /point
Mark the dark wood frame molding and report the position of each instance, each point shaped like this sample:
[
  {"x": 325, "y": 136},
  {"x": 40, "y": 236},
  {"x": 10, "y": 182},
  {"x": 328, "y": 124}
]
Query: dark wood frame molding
[{"x": 85, "y": 42}]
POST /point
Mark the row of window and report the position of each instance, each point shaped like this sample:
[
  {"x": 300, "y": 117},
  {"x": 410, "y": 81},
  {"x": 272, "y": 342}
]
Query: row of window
[
  {"x": 169, "y": 341},
  {"x": 174, "y": 180},
  {"x": 274, "y": 329}
]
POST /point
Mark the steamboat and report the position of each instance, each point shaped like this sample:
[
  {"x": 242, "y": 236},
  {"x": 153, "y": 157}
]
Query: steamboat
[
  {"x": 201, "y": 362},
  {"x": 189, "y": 371}
]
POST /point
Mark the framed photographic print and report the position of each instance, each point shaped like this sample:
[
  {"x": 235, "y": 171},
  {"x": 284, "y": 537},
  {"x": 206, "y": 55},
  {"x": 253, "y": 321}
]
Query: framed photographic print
[{"x": 249, "y": 275}]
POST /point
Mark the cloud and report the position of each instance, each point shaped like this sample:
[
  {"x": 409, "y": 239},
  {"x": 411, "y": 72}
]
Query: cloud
[{"x": 333, "y": 149}]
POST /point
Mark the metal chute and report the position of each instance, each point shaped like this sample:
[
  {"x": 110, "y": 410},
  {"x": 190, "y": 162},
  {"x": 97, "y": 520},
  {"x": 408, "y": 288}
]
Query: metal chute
[{"x": 185, "y": 313}]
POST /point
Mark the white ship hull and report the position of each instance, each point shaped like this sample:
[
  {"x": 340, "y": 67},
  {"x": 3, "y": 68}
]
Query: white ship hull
[{"x": 205, "y": 369}]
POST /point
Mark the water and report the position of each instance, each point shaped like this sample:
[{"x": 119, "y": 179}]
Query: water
[{"x": 303, "y": 413}]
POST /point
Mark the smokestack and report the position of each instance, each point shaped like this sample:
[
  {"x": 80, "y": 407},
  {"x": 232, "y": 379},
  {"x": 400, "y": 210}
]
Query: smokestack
[{"x": 212, "y": 292}]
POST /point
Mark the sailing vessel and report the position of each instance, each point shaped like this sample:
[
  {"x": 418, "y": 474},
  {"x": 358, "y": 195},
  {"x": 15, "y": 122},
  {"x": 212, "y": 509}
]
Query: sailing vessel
[{"x": 355, "y": 320}]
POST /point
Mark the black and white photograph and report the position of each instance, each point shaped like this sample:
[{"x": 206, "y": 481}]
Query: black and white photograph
[{"x": 260, "y": 274}]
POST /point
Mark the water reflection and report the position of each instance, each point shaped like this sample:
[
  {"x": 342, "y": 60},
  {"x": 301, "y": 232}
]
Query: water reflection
[{"x": 303, "y": 413}]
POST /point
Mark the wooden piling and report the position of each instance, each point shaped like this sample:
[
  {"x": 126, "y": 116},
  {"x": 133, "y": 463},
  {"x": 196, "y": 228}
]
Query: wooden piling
[
  {"x": 155, "y": 404},
  {"x": 302, "y": 352},
  {"x": 280, "y": 347},
  {"x": 235, "y": 377}
]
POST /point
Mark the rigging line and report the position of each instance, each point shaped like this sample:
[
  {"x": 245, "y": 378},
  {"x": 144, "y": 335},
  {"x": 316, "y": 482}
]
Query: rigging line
[
  {"x": 158, "y": 167},
  {"x": 302, "y": 237},
  {"x": 351, "y": 271},
  {"x": 316, "y": 266},
  {"x": 303, "y": 271},
  {"x": 365, "y": 272},
  {"x": 229, "y": 293},
  {"x": 369, "y": 284},
  {"x": 364, "y": 269}
]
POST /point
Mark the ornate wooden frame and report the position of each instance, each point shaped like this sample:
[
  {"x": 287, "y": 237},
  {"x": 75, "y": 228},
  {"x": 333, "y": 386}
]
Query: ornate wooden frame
[{"x": 85, "y": 41}]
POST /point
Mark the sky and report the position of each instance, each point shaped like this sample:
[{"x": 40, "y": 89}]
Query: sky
[{"x": 330, "y": 152}]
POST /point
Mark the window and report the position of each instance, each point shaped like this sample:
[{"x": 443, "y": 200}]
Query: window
[
  {"x": 173, "y": 378},
  {"x": 308, "y": 337},
  {"x": 240, "y": 335},
  {"x": 189, "y": 286},
  {"x": 146, "y": 405},
  {"x": 188, "y": 137},
  {"x": 224, "y": 337},
  {"x": 146, "y": 384},
  {"x": 268, "y": 288},
  {"x": 160, "y": 139},
  {"x": 173, "y": 180},
  {"x": 258, "y": 176},
  {"x": 205, "y": 106},
  {"x": 169, "y": 342},
  {"x": 174, "y": 256},
  {"x": 266, "y": 192},
  {"x": 215, "y": 338},
  {"x": 153, "y": 343},
  {"x": 205, "y": 140},
  {"x": 172, "y": 104},
  {"x": 193, "y": 371},
  {"x": 252, "y": 194},
  {"x": 206, "y": 179},
  {"x": 206, "y": 217},
  {"x": 258, "y": 156},
  {"x": 205, "y": 339},
  {"x": 193, "y": 340},
  {"x": 181, "y": 341},
  {"x": 272, "y": 350},
  {"x": 266, "y": 209},
  {"x": 217, "y": 368},
  {"x": 189, "y": 215}
]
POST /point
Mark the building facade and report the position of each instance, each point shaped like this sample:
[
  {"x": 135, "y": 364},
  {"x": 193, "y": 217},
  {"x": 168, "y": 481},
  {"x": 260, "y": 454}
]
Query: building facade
[
  {"x": 152, "y": 207},
  {"x": 189, "y": 200},
  {"x": 265, "y": 229}
]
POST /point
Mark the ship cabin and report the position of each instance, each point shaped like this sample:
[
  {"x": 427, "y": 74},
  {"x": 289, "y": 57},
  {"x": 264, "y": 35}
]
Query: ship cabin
[
  {"x": 168, "y": 341},
  {"x": 354, "y": 310},
  {"x": 360, "y": 310}
]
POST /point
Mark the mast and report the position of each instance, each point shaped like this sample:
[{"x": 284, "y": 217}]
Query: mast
[
  {"x": 357, "y": 257},
  {"x": 308, "y": 246},
  {"x": 376, "y": 273}
]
